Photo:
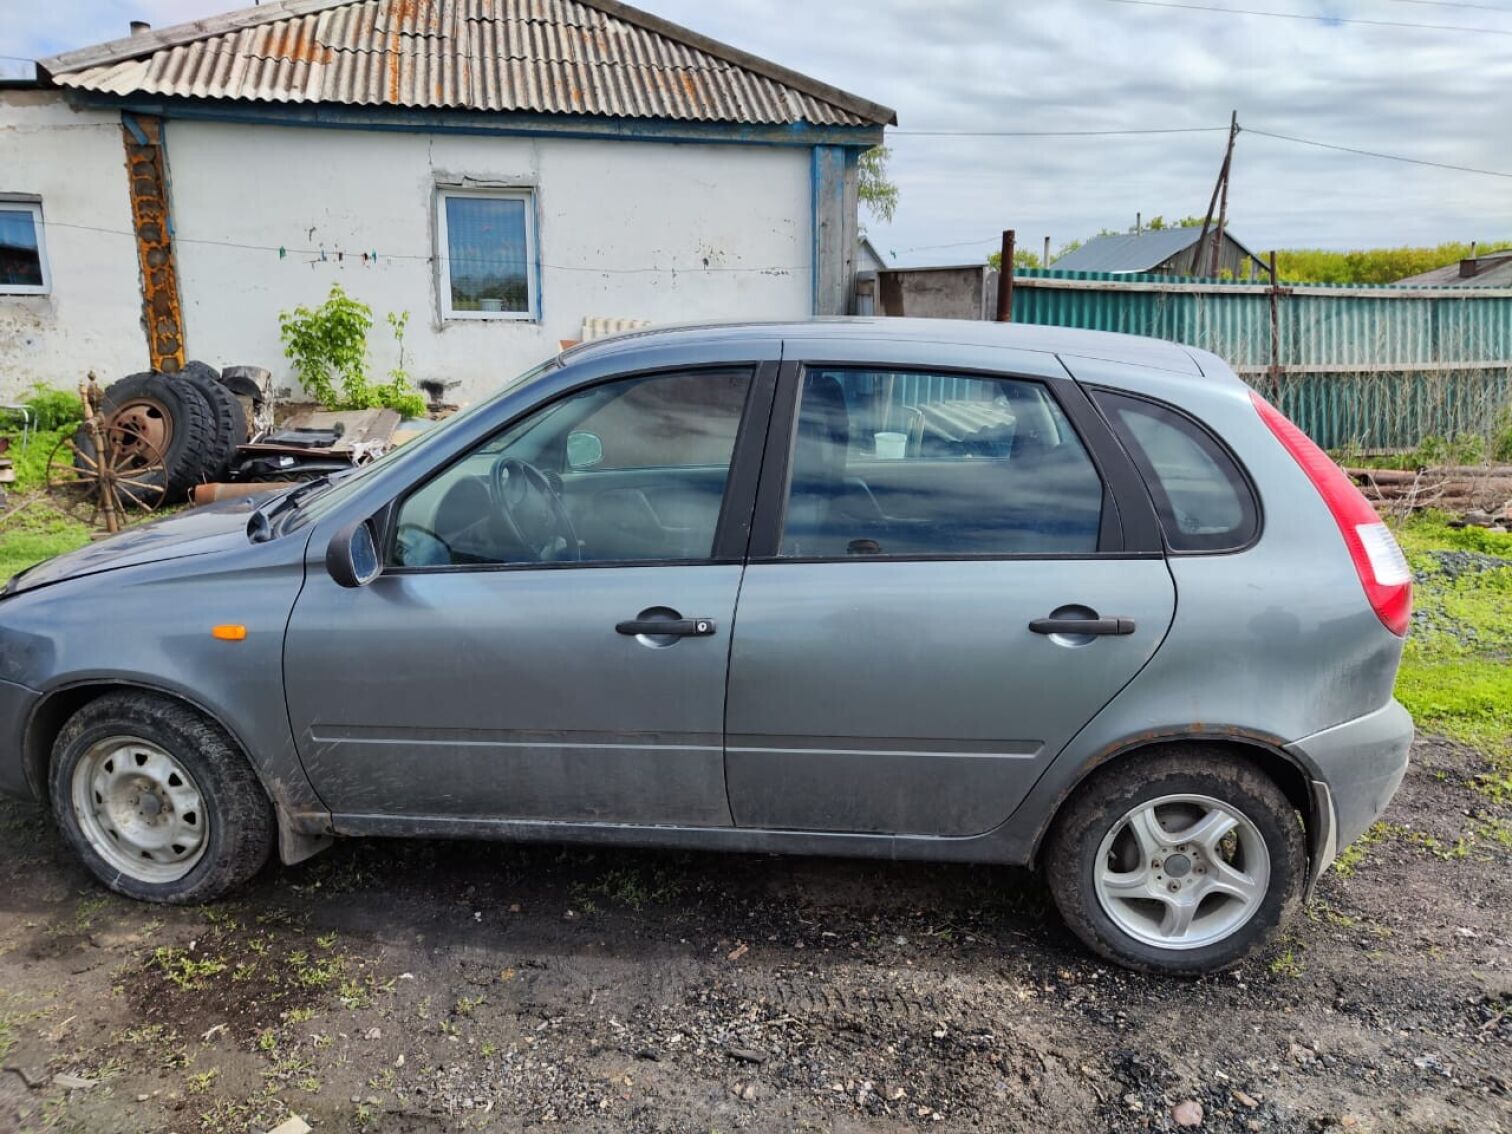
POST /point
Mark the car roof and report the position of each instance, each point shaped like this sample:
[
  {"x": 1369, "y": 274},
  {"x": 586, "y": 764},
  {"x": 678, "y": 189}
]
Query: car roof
[{"x": 1132, "y": 350}]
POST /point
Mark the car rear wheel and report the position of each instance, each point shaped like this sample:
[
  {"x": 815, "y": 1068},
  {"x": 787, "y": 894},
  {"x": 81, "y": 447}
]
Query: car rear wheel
[
  {"x": 1183, "y": 862},
  {"x": 156, "y": 800}
]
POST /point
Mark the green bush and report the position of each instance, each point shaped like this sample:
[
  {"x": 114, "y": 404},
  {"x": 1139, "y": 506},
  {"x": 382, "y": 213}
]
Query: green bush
[
  {"x": 328, "y": 347},
  {"x": 51, "y": 409},
  {"x": 1372, "y": 265},
  {"x": 1501, "y": 436}
]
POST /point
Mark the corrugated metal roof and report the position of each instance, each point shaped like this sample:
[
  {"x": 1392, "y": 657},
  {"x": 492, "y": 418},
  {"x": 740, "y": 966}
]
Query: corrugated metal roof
[
  {"x": 591, "y": 57},
  {"x": 1490, "y": 271},
  {"x": 1130, "y": 252}
]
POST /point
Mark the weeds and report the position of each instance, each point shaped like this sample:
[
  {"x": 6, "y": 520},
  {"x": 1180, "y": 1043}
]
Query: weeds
[
  {"x": 626, "y": 888},
  {"x": 1352, "y": 856},
  {"x": 186, "y": 972},
  {"x": 1454, "y": 678},
  {"x": 1286, "y": 965}
]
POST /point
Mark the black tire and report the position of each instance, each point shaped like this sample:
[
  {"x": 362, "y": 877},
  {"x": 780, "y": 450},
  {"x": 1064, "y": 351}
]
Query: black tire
[
  {"x": 189, "y": 420},
  {"x": 241, "y": 826},
  {"x": 1071, "y": 853},
  {"x": 230, "y": 422}
]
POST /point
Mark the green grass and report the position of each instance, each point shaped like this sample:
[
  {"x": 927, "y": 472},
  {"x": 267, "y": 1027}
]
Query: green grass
[
  {"x": 1456, "y": 676},
  {"x": 33, "y": 533}
]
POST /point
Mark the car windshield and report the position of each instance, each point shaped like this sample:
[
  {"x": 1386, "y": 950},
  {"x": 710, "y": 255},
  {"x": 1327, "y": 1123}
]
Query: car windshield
[{"x": 323, "y": 500}]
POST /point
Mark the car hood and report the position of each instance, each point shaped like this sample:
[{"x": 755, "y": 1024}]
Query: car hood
[{"x": 195, "y": 531}]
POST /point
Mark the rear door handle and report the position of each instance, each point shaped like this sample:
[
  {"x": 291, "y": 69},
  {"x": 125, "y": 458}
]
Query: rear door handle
[
  {"x": 1082, "y": 626},
  {"x": 668, "y": 627}
]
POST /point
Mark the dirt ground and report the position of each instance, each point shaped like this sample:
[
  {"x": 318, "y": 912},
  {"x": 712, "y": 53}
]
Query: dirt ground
[{"x": 420, "y": 987}]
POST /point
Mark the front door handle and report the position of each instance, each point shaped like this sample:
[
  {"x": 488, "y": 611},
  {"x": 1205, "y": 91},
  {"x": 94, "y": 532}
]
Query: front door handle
[
  {"x": 668, "y": 627},
  {"x": 1082, "y": 626}
]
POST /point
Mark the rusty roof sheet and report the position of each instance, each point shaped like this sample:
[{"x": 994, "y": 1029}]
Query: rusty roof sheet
[{"x": 590, "y": 57}]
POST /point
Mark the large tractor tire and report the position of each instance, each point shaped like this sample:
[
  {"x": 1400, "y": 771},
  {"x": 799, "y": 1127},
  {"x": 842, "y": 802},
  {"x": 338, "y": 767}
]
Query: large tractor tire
[
  {"x": 170, "y": 415},
  {"x": 230, "y": 421}
]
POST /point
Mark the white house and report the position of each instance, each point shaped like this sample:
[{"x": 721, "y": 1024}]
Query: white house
[{"x": 503, "y": 170}]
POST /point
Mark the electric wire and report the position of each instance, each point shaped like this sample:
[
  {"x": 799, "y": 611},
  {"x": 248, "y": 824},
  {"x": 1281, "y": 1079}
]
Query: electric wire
[{"x": 1177, "y": 4}]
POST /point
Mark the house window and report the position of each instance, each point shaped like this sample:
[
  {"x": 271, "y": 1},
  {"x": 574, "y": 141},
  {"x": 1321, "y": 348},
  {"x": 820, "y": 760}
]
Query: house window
[
  {"x": 488, "y": 245},
  {"x": 23, "y": 253}
]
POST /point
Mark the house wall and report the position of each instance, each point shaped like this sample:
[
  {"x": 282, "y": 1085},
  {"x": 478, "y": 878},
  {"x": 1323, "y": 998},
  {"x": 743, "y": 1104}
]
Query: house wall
[
  {"x": 75, "y": 162},
  {"x": 938, "y": 293},
  {"x": 1232, "y": 259},
  {"x": 645, "y": 230}
]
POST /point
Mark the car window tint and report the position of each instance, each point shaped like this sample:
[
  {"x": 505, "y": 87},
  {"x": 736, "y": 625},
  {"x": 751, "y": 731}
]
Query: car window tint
[
  {"x": 1203, "y": 500},
  {"x": 911, "y": 464},
  {"x": 632, "y": 470}
]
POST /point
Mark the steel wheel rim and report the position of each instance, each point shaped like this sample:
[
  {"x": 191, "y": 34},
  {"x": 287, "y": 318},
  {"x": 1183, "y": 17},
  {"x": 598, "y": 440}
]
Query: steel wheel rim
[
  {"x": 147, "y": 420},
  {"x": 1182, "y": 871},
  {"x": 140, "y": 809}
]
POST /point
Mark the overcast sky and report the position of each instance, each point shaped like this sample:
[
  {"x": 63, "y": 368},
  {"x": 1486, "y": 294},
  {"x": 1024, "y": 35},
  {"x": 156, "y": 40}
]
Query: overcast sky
[{"x": 959, "y": 65}]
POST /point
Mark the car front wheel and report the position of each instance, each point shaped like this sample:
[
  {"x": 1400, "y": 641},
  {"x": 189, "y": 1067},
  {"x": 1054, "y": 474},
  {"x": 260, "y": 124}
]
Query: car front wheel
[
  {"x": 1183, "y": 862},
  {"x": 156, "y": 800}
]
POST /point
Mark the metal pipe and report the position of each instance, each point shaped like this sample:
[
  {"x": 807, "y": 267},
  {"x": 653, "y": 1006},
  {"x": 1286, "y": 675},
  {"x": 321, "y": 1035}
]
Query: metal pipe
[
  {"x": 1005, "y": 280},
  {"x": 210, "y": 493}
]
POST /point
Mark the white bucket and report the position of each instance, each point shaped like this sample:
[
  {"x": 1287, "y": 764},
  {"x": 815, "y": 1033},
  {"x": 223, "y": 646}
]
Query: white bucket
[
  {"x": 490, "y": 305},
  {"x": 891, "y": 446}
]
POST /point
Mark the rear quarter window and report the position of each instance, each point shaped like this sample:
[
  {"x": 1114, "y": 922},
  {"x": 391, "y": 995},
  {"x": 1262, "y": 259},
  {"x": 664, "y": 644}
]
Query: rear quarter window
[{"x": 1203, "y": 499}]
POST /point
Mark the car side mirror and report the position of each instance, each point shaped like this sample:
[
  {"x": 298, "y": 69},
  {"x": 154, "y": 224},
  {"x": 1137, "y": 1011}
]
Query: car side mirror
[
  {"x": 352, "y": 556},
  {"x": 584, "y": 449}
]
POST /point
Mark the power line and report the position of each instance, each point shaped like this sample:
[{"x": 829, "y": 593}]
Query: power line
[
  {"x": 1184, "y": 130},
  {"x": 1050, "y": 133},
  {"x": 1312, "y": 18},
  {"x": 18, "y": 58},
  {"x": 1375, "y": 154},
  {"x": 1456, "y": 4},
  {"x": 941, "y": 247},
  {"x": 341, "y": 255}
]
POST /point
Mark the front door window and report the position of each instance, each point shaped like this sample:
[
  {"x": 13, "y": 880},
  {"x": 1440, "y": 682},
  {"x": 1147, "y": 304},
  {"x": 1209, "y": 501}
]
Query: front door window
[{"x": 632, "y": 470}]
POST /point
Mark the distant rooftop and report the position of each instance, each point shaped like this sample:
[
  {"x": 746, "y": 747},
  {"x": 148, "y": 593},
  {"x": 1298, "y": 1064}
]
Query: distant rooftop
[
  {"x": 1494, "y": 270},
  {"x": 1128, "y": 252}
]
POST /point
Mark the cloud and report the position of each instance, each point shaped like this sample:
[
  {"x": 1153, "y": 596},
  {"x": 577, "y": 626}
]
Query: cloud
[{"x": 1090, "y": 64}]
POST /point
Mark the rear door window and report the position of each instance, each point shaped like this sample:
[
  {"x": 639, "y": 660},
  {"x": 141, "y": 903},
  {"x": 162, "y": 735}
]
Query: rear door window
[
  {"x": 926, "y": 464},
  {"x": 1204, "y": 501}
]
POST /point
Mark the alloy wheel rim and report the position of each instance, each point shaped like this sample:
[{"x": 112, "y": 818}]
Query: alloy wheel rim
[
  {"x": 1182, "y": 871},
  {"x": 140, "y": 809}
]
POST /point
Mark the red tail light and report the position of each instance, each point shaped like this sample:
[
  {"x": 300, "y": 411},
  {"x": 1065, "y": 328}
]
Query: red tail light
[{"x": 1378, "y": 560}]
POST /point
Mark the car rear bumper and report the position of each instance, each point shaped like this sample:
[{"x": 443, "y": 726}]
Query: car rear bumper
[
  {"x": 16, "y": 704},
  {"x": 1357, "y": 767}
]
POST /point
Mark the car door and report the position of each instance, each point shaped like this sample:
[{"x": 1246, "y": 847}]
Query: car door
[
  {"x": 951, "y": 574},
  {"x": 549, "y": 637}
]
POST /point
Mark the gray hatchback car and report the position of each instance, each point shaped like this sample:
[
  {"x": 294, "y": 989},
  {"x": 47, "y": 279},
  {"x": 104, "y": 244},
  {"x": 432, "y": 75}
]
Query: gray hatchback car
[{"x": 930, "y": 590}]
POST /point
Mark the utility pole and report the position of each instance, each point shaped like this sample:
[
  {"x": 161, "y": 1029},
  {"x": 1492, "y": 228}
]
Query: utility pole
[
  {"x": 1275, "y": 335},
  {"x": 1005, "y": 280},
  {"x": 1220, "y": 189},
  {"x": 1045, "y": 263},
  {"x": 1228, "y": 163}
]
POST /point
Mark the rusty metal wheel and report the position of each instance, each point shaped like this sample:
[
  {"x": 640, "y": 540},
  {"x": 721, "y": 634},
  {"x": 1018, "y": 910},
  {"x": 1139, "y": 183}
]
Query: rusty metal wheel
[
  {"x": 147, "y": 419},
  {"x": 122, "y": 473}
]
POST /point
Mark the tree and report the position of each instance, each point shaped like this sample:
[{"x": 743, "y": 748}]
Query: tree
[
  {"x": 1158, "y": 222},
  {"x": 877, "y": 193},
  {"x": 1022, "y": 258}
]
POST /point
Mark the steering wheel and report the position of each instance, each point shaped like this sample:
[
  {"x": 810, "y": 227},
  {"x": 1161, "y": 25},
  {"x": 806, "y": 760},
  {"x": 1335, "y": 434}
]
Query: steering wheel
[{"x": 532, "y": 510}]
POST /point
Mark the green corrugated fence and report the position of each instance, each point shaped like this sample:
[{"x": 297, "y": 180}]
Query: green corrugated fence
[{"x": 1370, "y": 367}]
